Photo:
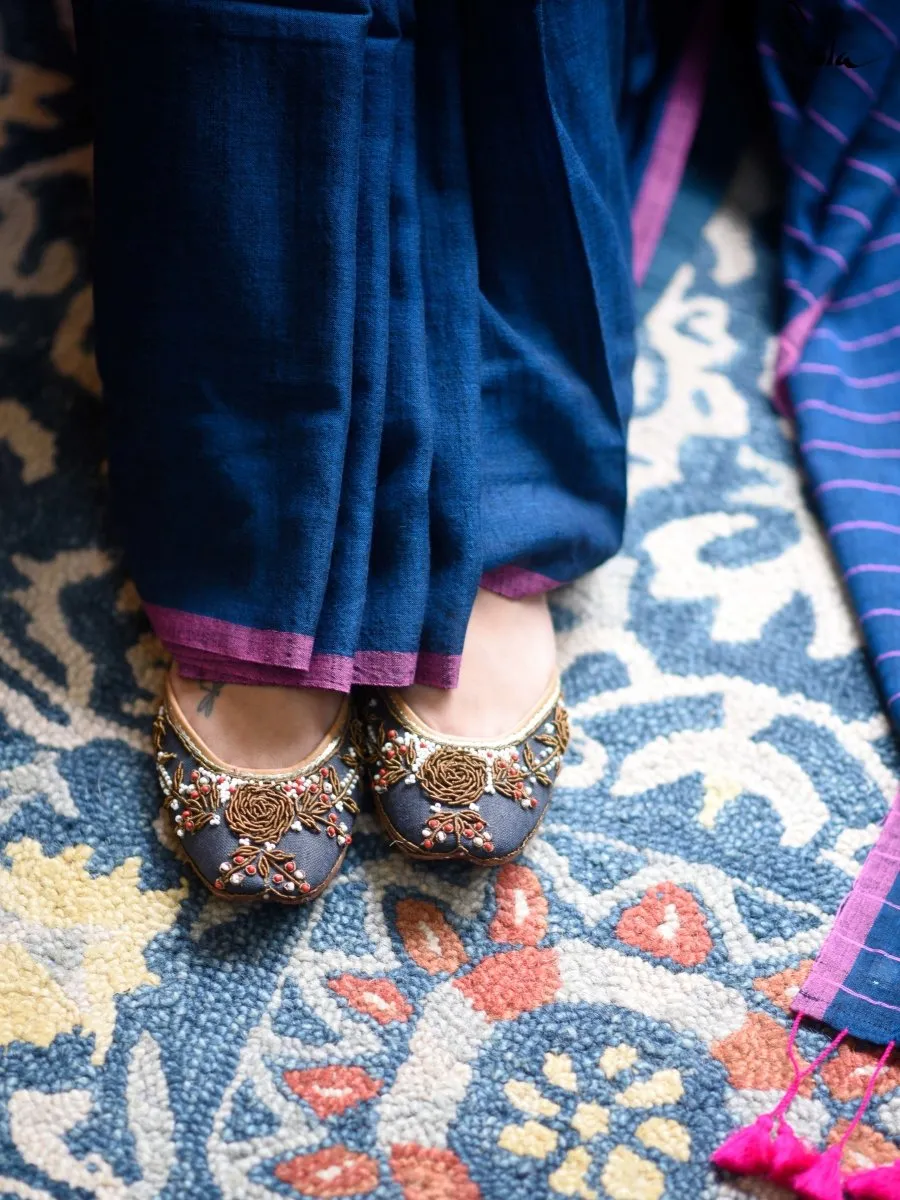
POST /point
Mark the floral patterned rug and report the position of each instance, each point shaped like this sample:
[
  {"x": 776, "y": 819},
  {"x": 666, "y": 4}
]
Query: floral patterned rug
[{"x": 589, "y": 1022}]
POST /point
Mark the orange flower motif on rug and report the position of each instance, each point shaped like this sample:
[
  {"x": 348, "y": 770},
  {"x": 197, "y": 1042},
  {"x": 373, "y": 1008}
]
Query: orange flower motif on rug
[{"x": 668, "y": 923}]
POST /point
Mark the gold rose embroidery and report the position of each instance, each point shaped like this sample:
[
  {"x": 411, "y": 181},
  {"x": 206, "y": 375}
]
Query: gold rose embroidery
[
  {"x": 260, "y": 811},
  {"x": 453, "y": 776}
]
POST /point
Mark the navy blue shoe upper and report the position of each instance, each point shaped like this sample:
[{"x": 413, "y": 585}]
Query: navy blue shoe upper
[
  {"x": 444, "y": 797},
  {"x": 270, "y": 835}
]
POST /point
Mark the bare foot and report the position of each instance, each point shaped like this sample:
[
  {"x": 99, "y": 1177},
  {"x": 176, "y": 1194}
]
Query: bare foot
[
  {"x": 267, "y": 728},
  {"x": 508, "y": 661}
]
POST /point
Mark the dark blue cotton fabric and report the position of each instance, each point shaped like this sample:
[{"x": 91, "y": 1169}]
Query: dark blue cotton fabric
[{"x": 363, "y": 314}]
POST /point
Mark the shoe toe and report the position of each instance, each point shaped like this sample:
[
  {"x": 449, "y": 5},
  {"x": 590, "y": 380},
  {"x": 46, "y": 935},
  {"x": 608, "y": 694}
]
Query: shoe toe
[
  {"x": 273, "y": 836},
  {"x": 443, "y": 799}
]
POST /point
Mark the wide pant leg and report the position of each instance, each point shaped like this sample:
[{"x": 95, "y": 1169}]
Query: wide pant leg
[{"x": 363, "y": 319}]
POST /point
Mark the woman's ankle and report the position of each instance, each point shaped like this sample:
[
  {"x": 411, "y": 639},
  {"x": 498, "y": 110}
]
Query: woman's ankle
[
  {"x": 508, "y": 660},
  {"x": 255, "y": 726}
]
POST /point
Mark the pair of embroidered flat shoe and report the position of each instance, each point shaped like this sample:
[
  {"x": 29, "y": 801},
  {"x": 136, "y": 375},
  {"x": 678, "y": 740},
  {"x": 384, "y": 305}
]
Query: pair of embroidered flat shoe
[{"x": 283, "y": 835}]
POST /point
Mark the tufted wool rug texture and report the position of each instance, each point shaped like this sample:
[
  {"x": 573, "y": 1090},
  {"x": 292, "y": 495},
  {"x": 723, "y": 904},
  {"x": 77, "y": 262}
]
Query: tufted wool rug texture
[{"x": 589, "y": 1022}]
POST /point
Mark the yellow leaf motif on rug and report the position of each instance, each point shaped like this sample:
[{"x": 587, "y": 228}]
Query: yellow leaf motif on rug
[{"x": 71, "y": 942}]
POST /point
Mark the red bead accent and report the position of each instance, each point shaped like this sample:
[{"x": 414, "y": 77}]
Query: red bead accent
[
  {"x": 433, "y": 823},
  {"x": 238, "y": 860},
  {"x": 278, "y": 879},
  {"x": 515, "y": 756},
  {"x": 195, "y": 775},
  {"x": 219, "y": 884},
  {"x": 489, "y": 846},
  {"x": 331, "y": 831},
  {"x": 195, "y": 795},
  {"x": 332, "y": 817},
  {"x": 220, "y": 779},
  {"x": 448, "y": 829},
  {"x": 304, "y": 887},
  {"x": 251, "y": 869},
  {"x": 390, "y": 752},
  {"x": 428, "y": 843},
  {"x": 313, "y": 787},
  {"x": 290, "y": 867},
  {"x": 204, "y": 787},
  {"x": 392, "y": 733},
  {"x": 349, "y": 839}
]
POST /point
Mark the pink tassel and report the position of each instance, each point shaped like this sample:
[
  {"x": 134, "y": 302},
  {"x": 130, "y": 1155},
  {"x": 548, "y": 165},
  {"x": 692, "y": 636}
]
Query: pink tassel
[
  {"x": 881, "y": 1184},
  {"x": 790, "y": 1157},
  {"x": 754, "y": 1150},
  {"x": 822, "y": 1181},
  {"x": 747, "y": 1151}
]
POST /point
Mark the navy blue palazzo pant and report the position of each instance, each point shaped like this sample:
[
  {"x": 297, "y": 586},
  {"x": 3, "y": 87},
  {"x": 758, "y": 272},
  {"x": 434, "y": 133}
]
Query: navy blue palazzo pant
[{"x": 363, "y": 318}]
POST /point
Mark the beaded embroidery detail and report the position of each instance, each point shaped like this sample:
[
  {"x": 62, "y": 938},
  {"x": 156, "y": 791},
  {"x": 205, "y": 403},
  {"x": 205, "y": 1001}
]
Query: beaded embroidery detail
[
  {"x": 259, "y": 812},
  {"x": 456, "y": 778}
]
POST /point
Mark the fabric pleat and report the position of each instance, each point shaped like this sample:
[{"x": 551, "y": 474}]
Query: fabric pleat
[{"x": 363, "y": 319}]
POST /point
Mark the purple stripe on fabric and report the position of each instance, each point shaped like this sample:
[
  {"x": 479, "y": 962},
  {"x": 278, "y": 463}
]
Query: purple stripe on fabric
[
  {"x": 672, "y": 144},
  {"x": 869, "y": 999},
  {"x": 876, "y": 21},
  {"x": 854, "y": 922},
  {"x": 515, "y": 582},
  {"x": 850, "y": 414},
  {"x": 334, "y": 672},
  {"x": 791, "y": 344},
  {"x": 827, "y": 126},
  {"x": 875, "y": 293},
  {"x": 807, "y": 177},
  {"x": 871, "y": 613},
  {"x": 892, "y": 699},
  {"x": 868, "y": 168},
  {"x": 787, "y": 109},
  {"x": 826, "y": 251},
  {"x": 846, "y": 210},
  {"x": 855, "y": 77},
  {"x": 862, "y": 485},
  {"x": 891, "y": 239},
  {"x": 794, "y": 285},
  {"x": 196, "y": 632},
  {"x": 869, "y": 949},
  {"x": 846, "y": 448},
  {"x": 891, "y": 122},
  {"x": 880, "y": 526},
  {"x": 767, "y": 50},
  {"x": 863, "y": 343},
  {"x": 866, "y": 381},
  {"x": 881, "y": 658},
  {"x": 872, "y": 569}
]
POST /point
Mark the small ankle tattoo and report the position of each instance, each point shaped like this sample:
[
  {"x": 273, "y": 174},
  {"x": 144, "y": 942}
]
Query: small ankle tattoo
[{"x": 212, "y": 692}]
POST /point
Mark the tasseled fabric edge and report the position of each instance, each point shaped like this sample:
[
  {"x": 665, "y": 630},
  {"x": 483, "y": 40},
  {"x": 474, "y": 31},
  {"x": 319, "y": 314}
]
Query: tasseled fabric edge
[{"x": 770, "y": 1149}]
